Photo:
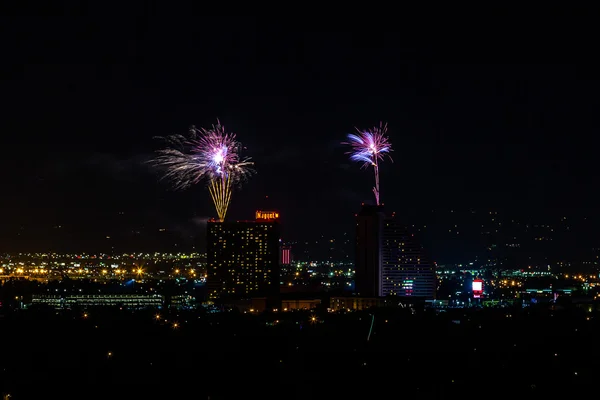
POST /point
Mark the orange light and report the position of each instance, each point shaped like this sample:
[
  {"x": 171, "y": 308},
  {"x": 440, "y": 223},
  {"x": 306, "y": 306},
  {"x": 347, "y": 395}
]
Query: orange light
[{"x": 266, "y": 215}]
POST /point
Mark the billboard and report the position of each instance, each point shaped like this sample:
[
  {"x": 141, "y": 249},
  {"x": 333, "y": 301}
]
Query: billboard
[
  {"x": 477, "y": 288},
  {"x": 286, "y": 255}
]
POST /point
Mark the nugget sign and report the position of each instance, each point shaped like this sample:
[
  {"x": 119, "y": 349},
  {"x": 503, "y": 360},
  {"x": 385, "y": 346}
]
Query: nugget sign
[{"x": 267, "y": 215}]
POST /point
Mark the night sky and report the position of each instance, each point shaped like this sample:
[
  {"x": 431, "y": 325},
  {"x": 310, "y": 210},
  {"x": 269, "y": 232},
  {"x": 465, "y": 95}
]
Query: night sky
[{"x": 478, "y": 122}]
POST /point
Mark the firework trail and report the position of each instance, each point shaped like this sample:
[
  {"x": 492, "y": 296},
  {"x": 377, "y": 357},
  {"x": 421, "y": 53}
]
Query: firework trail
[
  {"x": 370, "y": 147},
  {"x": 211, "y": 155}
]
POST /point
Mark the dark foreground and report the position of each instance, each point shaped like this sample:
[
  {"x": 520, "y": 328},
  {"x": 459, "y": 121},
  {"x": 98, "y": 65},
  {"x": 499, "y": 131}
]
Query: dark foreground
[{"x": 123, "y": 355}]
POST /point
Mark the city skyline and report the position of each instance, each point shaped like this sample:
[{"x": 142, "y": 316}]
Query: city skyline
[{"x": 462, "y": 236}]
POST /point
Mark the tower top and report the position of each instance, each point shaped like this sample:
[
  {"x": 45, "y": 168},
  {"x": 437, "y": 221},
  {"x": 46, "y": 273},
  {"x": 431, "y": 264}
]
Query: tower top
[{"x": 370, "y": 209}]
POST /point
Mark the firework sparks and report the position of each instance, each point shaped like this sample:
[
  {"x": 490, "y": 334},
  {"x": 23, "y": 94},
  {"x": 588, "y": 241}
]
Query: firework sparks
[
  {"x": 370, "y": 147},
  {"x": 211, "y": 155}
]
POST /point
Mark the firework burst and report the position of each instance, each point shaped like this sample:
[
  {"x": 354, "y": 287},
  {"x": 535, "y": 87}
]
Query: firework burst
[
  {"x": 370, "y": 147},
  {"x": 211, "y": 155}
]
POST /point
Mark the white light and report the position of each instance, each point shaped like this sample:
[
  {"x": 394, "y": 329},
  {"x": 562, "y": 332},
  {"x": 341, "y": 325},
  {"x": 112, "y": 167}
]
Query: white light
[{"x": 218, "y": 157}]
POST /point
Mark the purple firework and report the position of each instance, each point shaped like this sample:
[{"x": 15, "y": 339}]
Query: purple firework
[
  {"x": 205, "y": 154},
  {"x": 370, "y": 147},
  {"x": 212, "y": 155}
]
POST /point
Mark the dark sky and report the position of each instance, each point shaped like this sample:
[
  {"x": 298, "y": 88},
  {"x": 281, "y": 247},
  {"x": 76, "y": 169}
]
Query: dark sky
[{"x": 481, "y": 119}]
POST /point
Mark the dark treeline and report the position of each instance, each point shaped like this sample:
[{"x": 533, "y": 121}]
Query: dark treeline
[{"x": 108, "y": 353}]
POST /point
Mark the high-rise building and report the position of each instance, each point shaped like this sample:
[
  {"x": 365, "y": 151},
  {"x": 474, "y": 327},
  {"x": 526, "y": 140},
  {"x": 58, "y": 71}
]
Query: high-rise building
[
  {"x": 389, "y": 261},
  {"x": 243, "y": 257},
  {"x": 406, "y": 271},
  {"x": 369, "y": 237}
]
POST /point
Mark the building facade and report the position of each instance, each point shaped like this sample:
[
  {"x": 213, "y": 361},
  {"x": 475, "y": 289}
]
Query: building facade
[
  {"x": 100, "y": 300},
  {"x": 389, "y": 260},
  {"x": 243, "y": 258},
  {"x": 406, "y": 271},
  {"x": 369, "y": 239}
]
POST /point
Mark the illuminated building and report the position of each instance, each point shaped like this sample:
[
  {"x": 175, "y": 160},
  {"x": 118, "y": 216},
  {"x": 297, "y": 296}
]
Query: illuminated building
[
  {"x": 100, "y": 300},
  {"x": 357, "y": 303},
  {"x": 182, "y": 301},
  {"x": 406, "y": 272},
  {"x": 243, "y": 257},
  {"x": 297, "y": 304},
  {"x": 389, "y": 261},
  {"x": 286, "y": 255},
  {"x": 260, "y": 304}
]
